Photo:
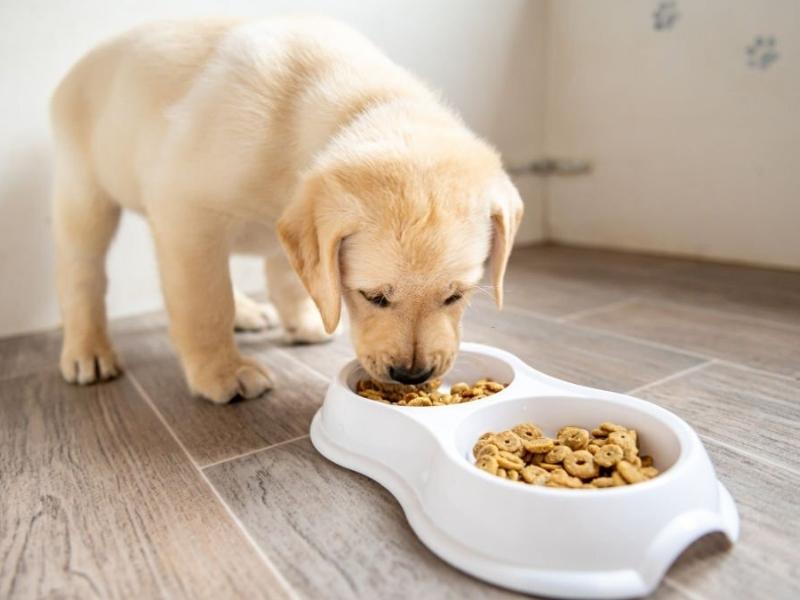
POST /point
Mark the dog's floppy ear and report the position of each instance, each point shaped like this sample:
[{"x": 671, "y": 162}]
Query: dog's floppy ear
[
  {"x": 311, "y": 230},
  {"x": 506, "y": 214}
]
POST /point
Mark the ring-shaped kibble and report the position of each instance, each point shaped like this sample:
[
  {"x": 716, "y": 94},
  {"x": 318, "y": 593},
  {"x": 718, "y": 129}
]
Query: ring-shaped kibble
[
  {"x": 513, "y": 475},
  {"x": 630, "y": 472},
  {"x": 623, "y": 439},
  {"x": 576, "y": 438},
  {"x": 535, "y": 475},
  {"x": 608, "y": 455},
  {"x": 581, "y": 464},
  {"x": 560, "y": 478},
  {"x": 557, "y": 454},
  {"x": 527, "y": 431},
  {"x": 488, "y": 464},
  {"x": 611, "y": 427},
  {"x": 487, "y": 450},
  {"x": 509, "y": 461},
  {"x": 508, "y": 441},
  {"x": 541, "y": 445}
]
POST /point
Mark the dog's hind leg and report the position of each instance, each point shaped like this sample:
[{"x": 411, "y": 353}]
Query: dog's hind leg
[
  {"x": 85, "y": 220},
  {"x": 299, "y": 315},
  {"x": 252, "y": 315}
]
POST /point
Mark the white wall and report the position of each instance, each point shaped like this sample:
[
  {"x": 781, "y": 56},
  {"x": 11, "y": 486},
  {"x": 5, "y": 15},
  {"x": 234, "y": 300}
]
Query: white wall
[
  {"x": 695, "y": 152},
  {"x": 486, "y": 56}
]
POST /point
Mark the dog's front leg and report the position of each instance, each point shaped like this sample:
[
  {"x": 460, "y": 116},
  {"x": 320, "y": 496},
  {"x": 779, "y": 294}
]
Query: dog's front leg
[{"x": 193, "y": 262}]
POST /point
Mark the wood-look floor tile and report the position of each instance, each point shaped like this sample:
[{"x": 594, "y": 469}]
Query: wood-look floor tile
[
  {"x": 573, "y": 353},
  {"x": 212, "y": 433},
  {"x": 755, "y": 412},
  {"x": 756, "y": 344},
  {"x": 765, "y": 563},
  {"x": 99, "y": 501}
]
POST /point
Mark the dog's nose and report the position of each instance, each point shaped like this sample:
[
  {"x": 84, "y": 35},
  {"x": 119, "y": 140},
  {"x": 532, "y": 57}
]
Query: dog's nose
[{"x": 404, "y": 376}]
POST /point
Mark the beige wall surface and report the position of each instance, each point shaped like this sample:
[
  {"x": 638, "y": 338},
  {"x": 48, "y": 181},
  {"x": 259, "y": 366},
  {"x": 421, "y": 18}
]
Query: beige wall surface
[
  {"x": 485, "y": 56},
  {"x": 695, "y": 151}
]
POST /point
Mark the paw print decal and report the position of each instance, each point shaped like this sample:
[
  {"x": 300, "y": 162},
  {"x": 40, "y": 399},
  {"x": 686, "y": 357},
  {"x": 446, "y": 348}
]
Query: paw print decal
[
  {"x": 761, "y": 53},
  {"x": 665, "y": 15}
]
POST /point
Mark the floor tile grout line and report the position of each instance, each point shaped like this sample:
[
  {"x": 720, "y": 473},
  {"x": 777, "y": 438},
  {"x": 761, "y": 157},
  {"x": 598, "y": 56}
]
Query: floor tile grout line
[
  {"x": 725, "y": 313},
  {"x": 676, "y": 375},
  {"x": 751, "y": 455},
  {"x": 259, "y": 551},
  {"x": 569, "y": 317},
  {"x": 251, "y": 452},
  {"x": 652, "y": 344}
]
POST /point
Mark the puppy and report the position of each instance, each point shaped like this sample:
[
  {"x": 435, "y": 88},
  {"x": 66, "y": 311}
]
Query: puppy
[{"x": 291, "y": 139}]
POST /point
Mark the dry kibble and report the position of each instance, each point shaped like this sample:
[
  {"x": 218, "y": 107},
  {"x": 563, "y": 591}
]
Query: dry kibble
[
  {"x": 608, "y": 455},
  {"x": 488, "y": 464},
  {"x": 538, "y": 446},
  {"x": 630, "y": 472},
  {"x": 557, "y": 454},
  {"x": 574, "y": 437},
  {"x": 426, "y": 394},
  {"x": 575, "y": 460},
  {"x": 508, "y": 441},
  {"x": 507, "y": 460},
  {"x": 581, "y": 464}
]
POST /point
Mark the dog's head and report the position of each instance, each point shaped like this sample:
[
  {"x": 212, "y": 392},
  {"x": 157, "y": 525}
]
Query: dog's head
[{"x": 404, "y": 244}]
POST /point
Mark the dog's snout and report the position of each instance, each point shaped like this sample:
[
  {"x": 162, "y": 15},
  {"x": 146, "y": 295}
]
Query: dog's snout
[{"x": 407, "y": 377}]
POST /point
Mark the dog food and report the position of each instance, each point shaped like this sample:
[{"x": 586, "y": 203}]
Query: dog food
[
  {"x": 608, "y": 456},
  {"x": 426, "y": 394}
]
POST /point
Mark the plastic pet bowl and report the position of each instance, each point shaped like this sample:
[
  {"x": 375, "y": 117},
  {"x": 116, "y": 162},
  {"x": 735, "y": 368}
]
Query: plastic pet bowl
[{"x": 603, "y": 543}]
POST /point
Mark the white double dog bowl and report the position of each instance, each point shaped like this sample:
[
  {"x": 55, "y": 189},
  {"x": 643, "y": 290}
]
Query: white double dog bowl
[{"x": 604, "y": 543}]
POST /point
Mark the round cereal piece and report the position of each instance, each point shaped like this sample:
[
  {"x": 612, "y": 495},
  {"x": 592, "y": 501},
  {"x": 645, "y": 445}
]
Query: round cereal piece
[
  {"x": 486, "y": 438},
  {"x": 649, "y": 472},
  {"x": 592, "y": 447},
  {"x": 488, "y": 464},
  {"x": 557, "y": 454},
  {"x": 574, "y": 437},
  {"x": 456, "y": 399},
  {"x": 535, "y": 475},
  {"x": 370, "y": 394},
  {"x": 599, "y": 433},
  {"x": 527, "y": 431},
  {"x": 608, "y": 455},
  {"x": 618, "y": 479},
  {"x": 549, "y": 467},
  {"x": 581, "y": 464},
  {"x": 459, "y": 388},
  {"x": 502, "y": 473},
  {"x": 538, "y": 446},
  {"x": 632, "y": 458},
  {"x": 623, "y": 439},
  {"x": 366, "y": 384},
  {"x": 408, "y": 396},
  {"x": 487, "y": 450},
  {"x": 508, "y": 441},
  {"x": 609, "y": 427},
  {"x": 630, "y": 472},
  {"x": 513, "y": 475},
  {"x": 495, "y": 387},
  {"x": 420, "y": 401},
  {"x": 603, "y": 482},
  {"x": 481, "y": 383},
  {"x": 508, "y": 460},
  {"x": 560, "y": 478},
  {"x": 647, "y": 461}
]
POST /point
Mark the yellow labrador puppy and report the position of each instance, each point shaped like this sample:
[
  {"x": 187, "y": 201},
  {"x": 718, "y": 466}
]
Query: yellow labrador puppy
[{"x": 292, "y": 139}]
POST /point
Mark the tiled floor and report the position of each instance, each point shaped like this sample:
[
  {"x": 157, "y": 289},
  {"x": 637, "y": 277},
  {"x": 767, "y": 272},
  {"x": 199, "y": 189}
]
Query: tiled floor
[{"x": 133, "y": 489}]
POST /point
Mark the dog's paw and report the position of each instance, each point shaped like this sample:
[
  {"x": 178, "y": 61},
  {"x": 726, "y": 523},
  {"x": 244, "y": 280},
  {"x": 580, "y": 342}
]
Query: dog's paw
[
  {"x": 88, "y": 363},
  {"x": 242, "y": 377},
  {"x": 307, "y": 328},
  {"x": 254, "y": 316}
]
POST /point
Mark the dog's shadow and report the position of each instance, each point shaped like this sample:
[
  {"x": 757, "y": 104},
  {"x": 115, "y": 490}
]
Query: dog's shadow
[{"x": 28, "y": 301}]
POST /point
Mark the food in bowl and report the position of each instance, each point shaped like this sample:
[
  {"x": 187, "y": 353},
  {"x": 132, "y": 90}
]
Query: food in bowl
[
  {"x": 607, "y": 456},
  {"x": 427, "y": 394}
]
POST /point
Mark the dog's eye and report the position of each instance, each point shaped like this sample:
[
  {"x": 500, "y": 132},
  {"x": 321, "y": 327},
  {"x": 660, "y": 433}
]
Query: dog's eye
[
  {"x": 377, "y": 300},
  {"x": 454, "y": 298}
]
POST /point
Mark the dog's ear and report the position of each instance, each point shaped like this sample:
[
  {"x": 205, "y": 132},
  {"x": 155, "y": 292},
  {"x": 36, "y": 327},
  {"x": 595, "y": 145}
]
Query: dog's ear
[
  {"x": 311, "y": 230},
  {"x": 506, "y": 214}
]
